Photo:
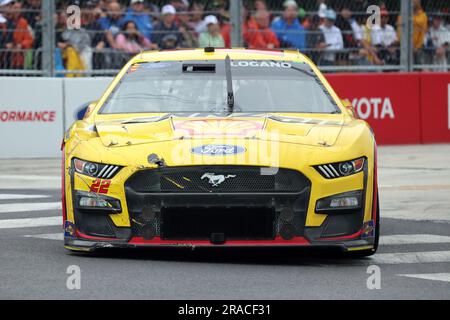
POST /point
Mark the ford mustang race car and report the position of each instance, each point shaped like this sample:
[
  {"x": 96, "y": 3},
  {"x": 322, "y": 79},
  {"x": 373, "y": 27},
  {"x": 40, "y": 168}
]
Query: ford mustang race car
[{"x": 220, "y": 147}]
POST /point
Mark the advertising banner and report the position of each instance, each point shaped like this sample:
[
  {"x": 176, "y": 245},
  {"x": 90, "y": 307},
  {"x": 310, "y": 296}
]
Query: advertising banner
[
  {"x": 435, "y": 111},
  {"x": 31, "y": 117},
  {"x": 390, "y": 102}
]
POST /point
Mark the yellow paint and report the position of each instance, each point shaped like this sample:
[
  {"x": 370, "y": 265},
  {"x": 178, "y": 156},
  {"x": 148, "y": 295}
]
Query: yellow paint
[
  {"x": 268, "y": 142},
  {"x": 360, "y": 248}
]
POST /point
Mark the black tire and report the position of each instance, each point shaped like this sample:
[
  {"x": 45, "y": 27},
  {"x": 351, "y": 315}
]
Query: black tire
[{"x": 369, "y": 252}]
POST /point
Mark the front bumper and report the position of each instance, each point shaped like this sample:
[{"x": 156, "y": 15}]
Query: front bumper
[
  {"x": 92, "y": 230},
  {"x": 89, "y": 245}
]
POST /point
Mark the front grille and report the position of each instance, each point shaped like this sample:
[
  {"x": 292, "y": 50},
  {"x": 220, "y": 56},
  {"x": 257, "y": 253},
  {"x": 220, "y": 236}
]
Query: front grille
[
  {"x": 232, "y": 224},
  {"x": 211, "y": 179},
  {"x": 172, "y": 202}
]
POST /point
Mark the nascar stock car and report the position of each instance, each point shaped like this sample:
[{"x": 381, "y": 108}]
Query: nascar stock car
[{"x": 220, "y": 147}]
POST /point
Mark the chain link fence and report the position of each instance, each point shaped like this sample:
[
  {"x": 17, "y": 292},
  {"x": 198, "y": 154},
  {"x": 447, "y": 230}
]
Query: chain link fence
[{"x": 96, "y": 37}]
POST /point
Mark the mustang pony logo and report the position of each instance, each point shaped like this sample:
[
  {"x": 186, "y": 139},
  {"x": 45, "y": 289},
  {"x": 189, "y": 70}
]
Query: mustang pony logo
[{"x": 216, "y": 180}]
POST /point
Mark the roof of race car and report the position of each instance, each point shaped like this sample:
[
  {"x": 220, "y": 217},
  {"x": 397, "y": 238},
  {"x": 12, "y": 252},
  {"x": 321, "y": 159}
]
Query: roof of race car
[{"x": 220, "y": 54}]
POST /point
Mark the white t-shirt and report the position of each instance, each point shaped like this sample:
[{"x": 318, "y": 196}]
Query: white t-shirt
[
  {"x": 439, "y": 37},
  {"x": 2, "y": 19},
  {"x": 383, "y": 36},
  {"x": 334, "y": 41},
  {"x": 358, "y": 31}
]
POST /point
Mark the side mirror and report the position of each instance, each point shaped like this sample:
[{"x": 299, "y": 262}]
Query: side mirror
[
  {"x": 350, "y": 109},
  {"x": 84, "y": 110}
]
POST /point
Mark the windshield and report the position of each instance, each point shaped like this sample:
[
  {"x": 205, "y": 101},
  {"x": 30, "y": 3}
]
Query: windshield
[{"x": 201, "y": 87}]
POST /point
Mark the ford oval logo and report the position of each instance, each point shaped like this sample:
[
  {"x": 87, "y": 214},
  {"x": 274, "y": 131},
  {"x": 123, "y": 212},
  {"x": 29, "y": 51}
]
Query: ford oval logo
[{"x": 218, "y": 150}]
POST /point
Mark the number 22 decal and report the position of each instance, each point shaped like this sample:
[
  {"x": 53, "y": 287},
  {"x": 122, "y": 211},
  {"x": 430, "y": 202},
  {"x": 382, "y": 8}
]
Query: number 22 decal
[{"x": 100, "y": 186}]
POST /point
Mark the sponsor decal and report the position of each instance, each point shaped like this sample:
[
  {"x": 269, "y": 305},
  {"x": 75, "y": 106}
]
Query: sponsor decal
[
  {"x": 212, "y": 127},
  {"x": 69, "y": 229},
  {"x": 216, "y": 179},
  {"x": 262, "y": 64},
  {"x": 368, "y": 229},
  {"x": 100, "y": 186},
  {"x": 218, "y": 150},
  {"x": 375, "y": 108},
  {"x": 27, "y": 116}
]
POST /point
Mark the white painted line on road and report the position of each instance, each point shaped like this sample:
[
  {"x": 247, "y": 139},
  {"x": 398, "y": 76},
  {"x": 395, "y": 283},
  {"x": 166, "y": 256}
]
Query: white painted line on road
[
  {"x": 28, "y": 177},
  {"x": 33, "y": 206},
  {"x": 411, "y": 257},
  {"x": 441, "y": 216},
  {"x": 30, "y": 222},
  {"x": 399, "y": 239},
  {"x": 429, "y": 276},
  {"x": 10, "y": 196},
  {"x": 48, "y": 236}
]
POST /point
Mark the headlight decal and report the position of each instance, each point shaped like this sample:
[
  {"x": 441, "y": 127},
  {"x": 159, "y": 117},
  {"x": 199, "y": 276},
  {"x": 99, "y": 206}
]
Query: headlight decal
[
  {"x": 95, "y": 170},
  {"x": 341, "y": 169}
]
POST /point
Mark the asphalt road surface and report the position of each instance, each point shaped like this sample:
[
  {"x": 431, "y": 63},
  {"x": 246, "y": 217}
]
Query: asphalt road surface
[{"x": 413, "y": 259}]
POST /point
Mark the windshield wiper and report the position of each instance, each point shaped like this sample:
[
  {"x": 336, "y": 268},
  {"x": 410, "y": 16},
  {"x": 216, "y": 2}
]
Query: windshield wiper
[{"x": 230, "y": 93}]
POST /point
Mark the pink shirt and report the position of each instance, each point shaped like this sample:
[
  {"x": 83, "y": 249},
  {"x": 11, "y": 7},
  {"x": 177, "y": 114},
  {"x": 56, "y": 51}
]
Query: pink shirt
[{"x": 132, "y": 46}]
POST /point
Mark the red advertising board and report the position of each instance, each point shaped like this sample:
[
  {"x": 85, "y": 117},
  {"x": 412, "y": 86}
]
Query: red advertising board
[
  {"x": 435, "y": 107},
  {"x": 390, "y": 102}
]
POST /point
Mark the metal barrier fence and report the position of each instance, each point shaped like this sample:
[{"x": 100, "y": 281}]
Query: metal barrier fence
[{"x": 54, "y": 38}]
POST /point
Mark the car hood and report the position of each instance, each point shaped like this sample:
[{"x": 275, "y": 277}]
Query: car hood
[{"x": 317, "y": 130}]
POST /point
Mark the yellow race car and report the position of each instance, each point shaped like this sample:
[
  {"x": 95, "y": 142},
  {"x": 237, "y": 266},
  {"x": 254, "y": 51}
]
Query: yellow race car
[{"x": 220, "y": 147}]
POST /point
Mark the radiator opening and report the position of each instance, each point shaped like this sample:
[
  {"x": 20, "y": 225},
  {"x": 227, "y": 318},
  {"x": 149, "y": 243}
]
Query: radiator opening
[{"x": 239, "y": 223}]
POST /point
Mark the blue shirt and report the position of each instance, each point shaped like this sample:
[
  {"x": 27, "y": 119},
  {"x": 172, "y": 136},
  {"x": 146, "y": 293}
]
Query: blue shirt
[
  {"x": 109, "y": 24},
  {"x": 142, "y": 20},
  {"x": 289, "y": 35}
]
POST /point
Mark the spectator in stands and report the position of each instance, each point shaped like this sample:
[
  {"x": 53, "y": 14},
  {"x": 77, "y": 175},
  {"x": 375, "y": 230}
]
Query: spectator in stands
[
  {"x": 4, "y": 5},
  {"x": 190, "y": 37},
  {"x": 96, "y": 34},
  {"x": 322, "y": 8},
  {"x": 420, "y": 27},
  {"x": 260, "y": 5},
  {"x": 288, "y": 29},
  {"x": 197, "y": 22},
  {"x": 180, "y": 5},
  {"x": 225, "y": 31},
  {"x": 130, "y": 40},
  {"x": 420, "y": 24},
  {"x": 315, "y": 40},
  {"x": 32, "y": 12},
  {"x": 167, "y": 35},
  {"x": 112, "y": 23},
  {"x": 265, "y": 37},
  {"x": 140, "y": 17},
  {"x": 15, "y": 36},
  {"x": 213, "y": 37},
  {"x": 250, "y": 34},
  {"x": 81, "y": 45},
  {"x": 4, "y": 56},
  {"x": 333, "y": 38},
  {"x": 384, "y": 39},
  {"x": 438, "y": 41},
  {"x": 344, "y": 22},
  {"x": 97, "y": 7}
]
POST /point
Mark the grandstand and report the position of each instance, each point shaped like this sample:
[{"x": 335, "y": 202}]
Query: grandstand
[{"x": 37, "y": 37}]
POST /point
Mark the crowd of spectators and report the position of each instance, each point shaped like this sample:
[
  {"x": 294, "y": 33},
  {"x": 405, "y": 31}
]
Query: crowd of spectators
[{"x": 331, "y": 32}]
